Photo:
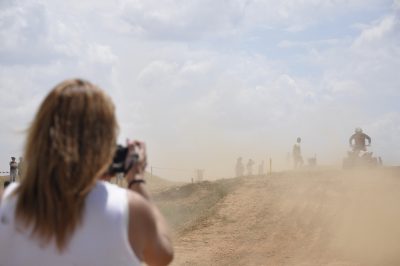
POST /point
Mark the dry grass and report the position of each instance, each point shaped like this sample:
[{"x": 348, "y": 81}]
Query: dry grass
[{"x": 186, "y": 207}]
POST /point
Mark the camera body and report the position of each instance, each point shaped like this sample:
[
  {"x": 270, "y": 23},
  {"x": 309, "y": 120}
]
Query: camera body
[{"x": 119, "y": 159}]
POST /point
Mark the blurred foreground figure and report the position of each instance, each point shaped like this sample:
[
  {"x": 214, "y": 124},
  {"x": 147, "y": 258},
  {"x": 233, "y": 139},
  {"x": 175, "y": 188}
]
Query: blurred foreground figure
[
  {"x": 62, "y": 213},
  {"x": 297, "y": 157},
  {"x": 359, "y": 138}
]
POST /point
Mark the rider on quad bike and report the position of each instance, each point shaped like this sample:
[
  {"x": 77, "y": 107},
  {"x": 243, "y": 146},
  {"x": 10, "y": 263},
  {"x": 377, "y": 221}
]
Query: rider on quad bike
[
  {"x": 359, "y": 140},
  {"x": 359, "y": 156}
]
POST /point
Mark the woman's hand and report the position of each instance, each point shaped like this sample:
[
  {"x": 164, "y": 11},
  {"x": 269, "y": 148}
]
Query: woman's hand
[{"x": 138, "y": 156}]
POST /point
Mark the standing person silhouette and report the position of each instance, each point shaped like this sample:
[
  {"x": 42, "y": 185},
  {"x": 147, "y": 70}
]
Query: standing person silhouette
[
  {"x": 13, "y": 170},
  {"x": 62, "y": 213},
  {"x": 297, "y": 157}
]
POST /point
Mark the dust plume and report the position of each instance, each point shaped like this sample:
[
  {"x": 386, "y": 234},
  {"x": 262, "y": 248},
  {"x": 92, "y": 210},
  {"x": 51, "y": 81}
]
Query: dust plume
[
  {"x": 305, "y": 217},
  {"x": 367, "y": 227}
]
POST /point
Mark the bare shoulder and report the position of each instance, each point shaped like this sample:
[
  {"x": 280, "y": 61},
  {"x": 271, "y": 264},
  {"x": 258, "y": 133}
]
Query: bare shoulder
[{"x": 139, "y": 207}]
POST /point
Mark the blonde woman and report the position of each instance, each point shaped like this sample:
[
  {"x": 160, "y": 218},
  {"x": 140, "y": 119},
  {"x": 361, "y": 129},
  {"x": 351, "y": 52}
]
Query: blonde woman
[{"x": 61, "y": 213}]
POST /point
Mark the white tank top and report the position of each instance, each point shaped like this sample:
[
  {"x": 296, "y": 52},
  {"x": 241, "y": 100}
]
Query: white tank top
[{"x": 101, "y": 239}]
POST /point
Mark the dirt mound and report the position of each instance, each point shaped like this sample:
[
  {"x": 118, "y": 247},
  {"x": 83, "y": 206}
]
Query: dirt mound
[
  {"x": 156, "y": 184},
  {"x": 187, "y": 206},
  {"x": 301, "y": 218}
]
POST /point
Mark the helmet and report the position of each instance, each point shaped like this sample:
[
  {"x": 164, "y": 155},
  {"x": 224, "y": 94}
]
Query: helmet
[{"x": 358, "y": 130}]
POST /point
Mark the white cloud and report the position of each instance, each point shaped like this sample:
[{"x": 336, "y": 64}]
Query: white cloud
[
  {"x": 379, "y": 30},
  {"x": 102, "y": 54},
  {"x": 65, "y": 39},
  {"x": 184, "y": 74},
  {"x": 396, "y": 4},
  {"x": 197, "y": 20},
  {"x": 346, "y": 87},
  {"x": 308, "y": 44},
  {"x": 181, "y": 20}
]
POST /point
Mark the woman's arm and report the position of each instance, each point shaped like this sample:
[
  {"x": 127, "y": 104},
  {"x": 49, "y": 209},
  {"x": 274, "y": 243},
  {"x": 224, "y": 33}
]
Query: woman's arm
[{"x": 148, "y": 231}]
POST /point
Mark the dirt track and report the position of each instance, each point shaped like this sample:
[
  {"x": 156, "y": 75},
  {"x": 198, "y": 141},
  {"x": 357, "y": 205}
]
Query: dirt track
[{"x": 305, "y": 218}]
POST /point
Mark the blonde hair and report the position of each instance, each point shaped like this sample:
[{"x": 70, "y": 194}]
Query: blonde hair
[{"x": 70, "y": 144}]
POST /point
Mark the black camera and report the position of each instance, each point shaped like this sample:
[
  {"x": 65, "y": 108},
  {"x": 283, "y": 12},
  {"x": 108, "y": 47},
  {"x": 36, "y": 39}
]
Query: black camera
[{"x": 118, "y": 162}]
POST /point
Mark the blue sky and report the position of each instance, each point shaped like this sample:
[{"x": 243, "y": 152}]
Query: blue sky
[{"x": 203, "y": 82}]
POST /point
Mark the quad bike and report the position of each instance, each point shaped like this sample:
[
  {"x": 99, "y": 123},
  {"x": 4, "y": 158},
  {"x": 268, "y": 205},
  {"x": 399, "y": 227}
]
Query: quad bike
[{"x": 358, "y": 158}]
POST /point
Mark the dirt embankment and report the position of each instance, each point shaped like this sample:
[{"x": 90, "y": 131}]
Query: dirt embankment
[
  {"x": 299, "y": 218},
  {"x": 186, "y": 207},
  {"x": 2, "y": 180}
]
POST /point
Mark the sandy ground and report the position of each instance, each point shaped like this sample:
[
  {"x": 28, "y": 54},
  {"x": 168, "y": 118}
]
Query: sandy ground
[{"x": 302, "y": 218}]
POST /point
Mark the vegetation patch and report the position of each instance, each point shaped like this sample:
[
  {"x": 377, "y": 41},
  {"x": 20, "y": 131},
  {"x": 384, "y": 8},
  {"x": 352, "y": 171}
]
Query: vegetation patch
[{"x": 186, "y": 207}]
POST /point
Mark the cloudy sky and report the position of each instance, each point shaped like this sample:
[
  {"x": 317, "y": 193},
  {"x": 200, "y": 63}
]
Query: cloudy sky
[{"x": 203, "y": 82}]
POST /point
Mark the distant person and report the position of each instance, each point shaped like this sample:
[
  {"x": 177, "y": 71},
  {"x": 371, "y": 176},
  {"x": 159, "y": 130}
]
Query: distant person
[
  {"x": 296, "y": 152},
  {"x": 13, "y": 169},
  {"x": 239, "y": 168},
  {"x": 62, "y": 213},
  {"x": 20, "y": 166},
  {"x": 249, "y": 166},
  {"x": 359, "y": 138}
]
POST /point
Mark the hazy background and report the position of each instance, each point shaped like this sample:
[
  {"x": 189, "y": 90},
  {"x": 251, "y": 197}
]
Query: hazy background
[{"x": 203, "y": 82}]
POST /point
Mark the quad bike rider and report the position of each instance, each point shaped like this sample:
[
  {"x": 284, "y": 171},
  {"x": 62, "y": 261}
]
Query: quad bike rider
[
  {"x": 359, "y": 138},
  {"x": 359, "y": 155}
]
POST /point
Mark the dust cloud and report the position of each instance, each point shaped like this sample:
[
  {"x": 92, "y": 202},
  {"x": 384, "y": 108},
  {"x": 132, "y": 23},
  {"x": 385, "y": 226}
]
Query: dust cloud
[
  {"x": 367, "y": 228},
  {"x": 216, "y": 153},
  {"x": 305, "y": 217}
]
